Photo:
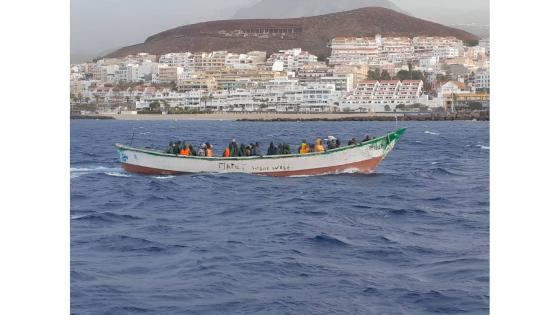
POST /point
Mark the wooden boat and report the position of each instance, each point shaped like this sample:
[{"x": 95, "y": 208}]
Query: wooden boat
[{"x": 362, "y": 158}]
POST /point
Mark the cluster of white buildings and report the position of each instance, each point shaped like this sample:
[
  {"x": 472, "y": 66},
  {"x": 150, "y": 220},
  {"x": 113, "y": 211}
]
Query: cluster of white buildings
[
  {"x": 383, "y": 95},
  {"x": 288, "y": 80},
  {"x": 376, "y": 51}
]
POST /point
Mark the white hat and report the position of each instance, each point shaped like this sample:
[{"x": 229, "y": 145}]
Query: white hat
[{"x": 331, "y": 138}]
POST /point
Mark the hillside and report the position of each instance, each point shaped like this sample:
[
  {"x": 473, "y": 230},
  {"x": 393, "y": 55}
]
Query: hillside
[
  {"x": 274, "y": 9},
  {"x": 309, "y": 33}
]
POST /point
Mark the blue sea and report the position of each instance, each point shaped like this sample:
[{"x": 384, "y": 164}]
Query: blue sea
[{"x": 410, "y": 238}]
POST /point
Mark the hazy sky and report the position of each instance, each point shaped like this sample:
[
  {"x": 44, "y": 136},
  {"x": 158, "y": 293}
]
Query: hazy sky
[{"x": 100, "y": 25}]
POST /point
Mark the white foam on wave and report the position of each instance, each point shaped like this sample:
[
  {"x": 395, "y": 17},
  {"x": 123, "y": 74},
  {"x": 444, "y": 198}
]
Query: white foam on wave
[
  {"x": 431, "y": 133},
  {"x": 483, "y": 147},
  {"x": 434, "y": 163},
  {"x": 350, "y": 171},
  {"x": 116, "y": 174},
  {"x": 163, "y": 177},
  {"x": 93, "y": 169},
  {"x": 76, "y": 172}
]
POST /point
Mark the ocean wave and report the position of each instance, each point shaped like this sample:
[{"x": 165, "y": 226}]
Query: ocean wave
[
  {"x": 483, "y": 147},
  {"x": 116, "y": 174},
  {"x": 81, "y": 276},
  {"x": 325, "y": 239},
  {"x": 439, "y": 172},
  {"x": 76, "y": 172},
  {"x": 163, "y": 176},
  {"x": 130, "y": 309},
  {"x": 104, "y": 217},
  {"x": 431, "y": 133},
  {"x": 123, "y": 243}
]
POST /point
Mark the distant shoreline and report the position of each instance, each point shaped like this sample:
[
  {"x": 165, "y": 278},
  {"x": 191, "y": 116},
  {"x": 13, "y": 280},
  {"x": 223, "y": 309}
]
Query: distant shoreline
[{"x": 482, "y": 115}]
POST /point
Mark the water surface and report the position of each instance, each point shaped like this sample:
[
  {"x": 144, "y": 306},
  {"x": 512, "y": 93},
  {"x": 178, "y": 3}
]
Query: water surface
[{"x": 411, "y": 238}]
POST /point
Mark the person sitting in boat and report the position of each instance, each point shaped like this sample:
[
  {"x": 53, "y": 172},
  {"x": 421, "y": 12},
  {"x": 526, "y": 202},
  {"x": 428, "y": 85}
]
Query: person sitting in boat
[
  {"x": 233, "y": 148},
  {"x": 192, "y": 151},
  {"x": 367, "y": 138},
  {"x": 248, "y": 150},
  {"x": 272, "y": 150},
  {"x": 285, "y": 148},
  {"x": 170, "y": 148},
  {"x": 227, "y": 152},
  {"x": 177, "y": 147},
  {"x": 337, "y": 143},
  {"x": 201, "y": 150},
  {"x": 241, "y": 151},
  {"x": 353, "y": 141},
  {"x": 319, "y": 145},
  {"x": 303, "y": 147},
  {"x": 209, "y": 152},
  {"x": 184, "y": 150},
  {"x": 257, "y": 149},
  {"x": 330, "y": 143}
]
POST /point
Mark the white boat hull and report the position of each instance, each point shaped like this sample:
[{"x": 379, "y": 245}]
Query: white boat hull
[{"x": 363, "y": 157}]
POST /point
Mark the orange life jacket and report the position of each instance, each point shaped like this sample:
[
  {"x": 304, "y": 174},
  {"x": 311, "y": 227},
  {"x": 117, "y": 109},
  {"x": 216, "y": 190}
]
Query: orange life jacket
[
  {"x": 209, "y": 152},
  {"x": 226, "y": 152},
  {"x": 184, "y": 152},
  {"x": 304, "y": 148},
  {"x": 319, "y": 148}
]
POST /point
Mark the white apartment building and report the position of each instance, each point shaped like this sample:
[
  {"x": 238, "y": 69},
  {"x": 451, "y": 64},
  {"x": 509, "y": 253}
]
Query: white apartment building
[
  {"x": 81, "y": 87},
  {"x": 313, "y": 72},
  {"x": 291, "y": 60},
  {"x": 453, "y": 87},
  {"x": 353, "y": 50},
  {"x": 214, "y": 61},
  {"x": 342, "y": 83},
  {"x": 168, "y": 74},
  {"x": 428, "y": 63},
  {"x": 146, "y": 69},
  {"x": 248, "y": 61},
  {"x": 396, "y": 50},
  {"x": 447, "y": 52},
  {"x": 203, "y": 61},
  {"x": 481, "y": 80},
  {"x": 184, "y": 60},
  {"x": 101, "y": 72},
  {"x": 375, "y": 95},
  {"x": 319, "y": 97},
  {"x": 442, "y": 47}
]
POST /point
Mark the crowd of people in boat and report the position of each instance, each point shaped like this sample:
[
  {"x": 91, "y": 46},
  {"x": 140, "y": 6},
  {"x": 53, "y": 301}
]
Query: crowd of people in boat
[{"x": 254, "y": 149}]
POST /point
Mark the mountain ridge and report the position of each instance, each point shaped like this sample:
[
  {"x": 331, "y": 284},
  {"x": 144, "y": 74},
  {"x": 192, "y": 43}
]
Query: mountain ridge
[
  {"x": 309, "y": 33},
  {"x": 272, "y": 9}
]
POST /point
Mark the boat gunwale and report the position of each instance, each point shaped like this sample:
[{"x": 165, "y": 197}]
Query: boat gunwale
[{"x": 398, "y": 132}]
